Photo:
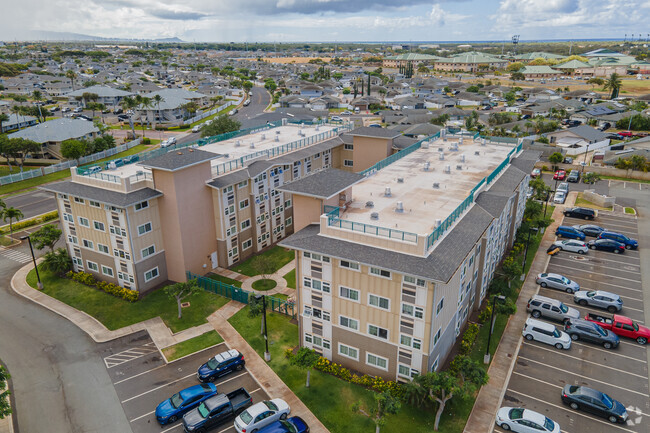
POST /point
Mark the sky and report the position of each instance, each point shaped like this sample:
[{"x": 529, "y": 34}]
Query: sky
[{"x": 328, "y": 20}]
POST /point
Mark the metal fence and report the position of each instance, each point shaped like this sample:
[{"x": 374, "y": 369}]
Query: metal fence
[{"x": 277, "y": 305}]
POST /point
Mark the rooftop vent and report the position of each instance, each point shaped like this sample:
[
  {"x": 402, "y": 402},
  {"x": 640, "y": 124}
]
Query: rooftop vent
[
  {"x": 462, "y": 157},
  {"x": 370, "y": 204},
  {"x": 237, "y": 143},
  {"x": 374, "y": 216},
  {"x": 454, "y": 147},
  {"x": 400, "y": 207},
  {"x": 441, "y": 149},
  {"x": 263, "y": 137},
  {"x": 252, "y": 145},
  {"x": 425, "y": 145},
  {"x": 444, "y": 139},
  {"x": 459, "y": 167},
  {"x": 387, "y": 191},
  {"x": 477, "y": 153},
  {"x": 317, "y": 128},
  {"x": 438, "y": 223},
  {"x": 461, "y": 140},
  {"x": 436, "y": 185},
  {"x": 483, "y": 143},
  {"x": 427, "y": 165},
  {"x": 447, "y": 168},
  {"x": 400, "y": 180},
  {"x": 277, "y": 132},
  {"x": 441, "y": 156},
  {"x": 277, "y": 138}
]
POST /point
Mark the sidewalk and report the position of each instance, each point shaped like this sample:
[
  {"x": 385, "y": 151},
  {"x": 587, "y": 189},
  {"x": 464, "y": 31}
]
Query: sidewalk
[
  {"x": 262, "y": 373},
  {"x": 6, "y": 425},
  {"x": 489, "y": 399},
  {"x": 247, "y": 282}
]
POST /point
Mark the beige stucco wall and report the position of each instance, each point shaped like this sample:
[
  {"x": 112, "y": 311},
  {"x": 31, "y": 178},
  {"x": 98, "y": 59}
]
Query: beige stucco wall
[
  {"x": 307, "y": 210},
  {"x": 368, "y": 151}
]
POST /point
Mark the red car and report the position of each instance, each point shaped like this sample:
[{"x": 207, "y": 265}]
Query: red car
[
  {"x": 559, "y": 175},
  {"x": 626, "y": 134},
  {"x": 622, "y": 326}
]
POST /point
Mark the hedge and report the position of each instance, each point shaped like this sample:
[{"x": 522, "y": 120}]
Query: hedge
[
  {"x": 31, "y": 222},
  {"x": 110, "y": 288},
  {"x": 469, "y": 337}
]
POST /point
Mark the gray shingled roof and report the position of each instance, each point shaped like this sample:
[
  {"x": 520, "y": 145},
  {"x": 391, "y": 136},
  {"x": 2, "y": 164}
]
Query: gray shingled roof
[
  {"x": 179, "y": 159},
  {"x": 322, "y": 184},
  {"x": 587, "y": 132},
  {"x": 508, "y": 181},
  {"x": 368, "y": 131},
  {"x": 101, "y": 91},
  {"x": 493, "y": 202},
  {"x": 114, "y": 198},
  {"x": 56, "y": 130},
  {"x": 526, "y": 160}
]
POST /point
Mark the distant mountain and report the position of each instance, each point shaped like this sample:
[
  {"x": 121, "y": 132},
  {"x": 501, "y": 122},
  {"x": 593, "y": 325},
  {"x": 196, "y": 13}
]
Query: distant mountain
[{"x": 67, "y": 36}]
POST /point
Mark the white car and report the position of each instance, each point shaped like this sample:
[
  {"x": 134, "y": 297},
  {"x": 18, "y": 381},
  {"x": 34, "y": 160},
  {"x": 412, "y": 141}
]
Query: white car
[
  {"x": 560, "y": 197},
  {"x": 573, "y": 246},
  {"x": 197, "y": 128},
  {"x": 522, "y": 420},
  {"x": 546, "y": 333},
  {"x": 261, "y": 414},
  {"x": 336, "y": 119}
]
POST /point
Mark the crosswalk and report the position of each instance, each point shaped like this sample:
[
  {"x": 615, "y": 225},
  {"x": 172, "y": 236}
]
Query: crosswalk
[
  {"x": 17, "y": 256},
  {"x": 129, "y": 355}
]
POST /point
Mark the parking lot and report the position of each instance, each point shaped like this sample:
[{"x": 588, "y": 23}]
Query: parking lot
[
  {"x": 142, "y": 380},
  {"x": 541, "y": 371}
]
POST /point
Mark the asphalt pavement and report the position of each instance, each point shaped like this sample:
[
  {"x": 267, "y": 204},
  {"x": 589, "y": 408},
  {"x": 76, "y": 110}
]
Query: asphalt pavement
[{"x": 32, "y": 203}]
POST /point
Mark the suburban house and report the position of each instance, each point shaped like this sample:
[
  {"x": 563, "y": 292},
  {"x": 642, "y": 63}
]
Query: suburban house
[
  {"x": 106, "y": 95},
  {"x": 576, "y": 137},
  {"x": 18, "y": 121},
  {"x": 52, "y": 133}
]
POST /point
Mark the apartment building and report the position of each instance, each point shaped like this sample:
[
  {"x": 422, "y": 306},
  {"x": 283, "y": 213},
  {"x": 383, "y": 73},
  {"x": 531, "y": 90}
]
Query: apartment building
[
  {"x": 196, "y": 209},
  {"x": 388, "y": 277}
]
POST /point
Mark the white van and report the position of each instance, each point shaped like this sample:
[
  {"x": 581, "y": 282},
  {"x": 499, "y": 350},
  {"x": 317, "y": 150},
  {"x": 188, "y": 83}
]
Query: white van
[
  {"x": 546, "y": 333},
  {"x": 197, "y": 128}
]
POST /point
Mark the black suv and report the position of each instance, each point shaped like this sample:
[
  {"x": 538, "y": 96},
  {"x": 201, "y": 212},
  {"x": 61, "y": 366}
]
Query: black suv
[
  {"x": 580, "y": 212},
  {"x": 574, "y": 176}
]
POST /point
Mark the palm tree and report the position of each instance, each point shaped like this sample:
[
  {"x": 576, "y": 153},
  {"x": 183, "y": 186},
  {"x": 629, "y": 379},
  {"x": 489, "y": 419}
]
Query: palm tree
[
  {"x": 57, "y": 261},
  {"x": 11, "y": 213},
  {"x": 71, "y": 75},
  {"x": 145, "y": 103},
  {"x": 16, "y": 109},
  {"x": 129, "y": 103},
  {"x": 157, "y": 99},
  {"x": 3, "y": 118},
  {"x": 38, "y": 97},
  {"x": 614, "y": 84}
]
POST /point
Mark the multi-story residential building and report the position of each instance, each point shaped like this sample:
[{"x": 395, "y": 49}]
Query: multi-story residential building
[{"x": 390, "y": 262}]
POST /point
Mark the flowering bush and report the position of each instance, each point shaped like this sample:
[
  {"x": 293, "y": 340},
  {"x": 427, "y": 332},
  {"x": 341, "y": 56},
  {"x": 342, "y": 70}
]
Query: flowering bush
[
  {"x": 110, "y": 288},
  {"x": 484, "y": 315},
  {"x": 469, "y": 337}
]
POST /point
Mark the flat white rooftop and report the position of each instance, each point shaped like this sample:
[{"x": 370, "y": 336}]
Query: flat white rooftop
[{"x": 413, "y": 186}]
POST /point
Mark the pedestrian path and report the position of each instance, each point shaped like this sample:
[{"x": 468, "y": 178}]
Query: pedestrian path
[
  {"x": 247, "y": 282},
  {"x": 16, "y": 256}
]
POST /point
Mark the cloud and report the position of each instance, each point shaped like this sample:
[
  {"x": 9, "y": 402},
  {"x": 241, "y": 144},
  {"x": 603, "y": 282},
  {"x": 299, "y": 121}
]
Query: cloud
[{"x": 176, "y": 15}]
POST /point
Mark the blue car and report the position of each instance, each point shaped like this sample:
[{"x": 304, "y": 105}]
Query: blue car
[
  {"x": 220, "y": 365},
  {"x": 569, "y": 232},
  {"x": 180, "y": 403},
  {"x": 295, "y": 424},
  {"x": 629, "y": 243}
]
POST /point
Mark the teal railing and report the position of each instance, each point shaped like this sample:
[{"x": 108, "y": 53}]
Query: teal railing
[{"x": 397, "y": 156}]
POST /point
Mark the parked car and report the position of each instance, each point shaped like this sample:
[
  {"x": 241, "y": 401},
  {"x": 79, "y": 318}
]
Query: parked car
[
  {"x": 626, "y": 133},
  {"x": 572, "y": 246},
  {"x": 65, "y": 109},
  {"x": 172, "y": 140},
  {"x": 605, "y": 127},
  {"x": 580, "y": 212},
  {"x": 546, "y": 333},
  {"x": 118, "y": 111},
  {"x": 569, "y": 232},
  {"x": 563, "y": 187},
  {"x": 123, "y": 117},
  {"x": 560, "y": 197},
  {"x": 183, "y": 401},
  {"x": 559, "y": 175},
  {"x": 580, "y": 329},
  {"x": 295, "y": 424},
  {"x": 336, "y": 119},
  {"x": 568, "y": 160},
  {"x": 216, "y": 410},
  {"x": 196, "y": 128},
  {"x": 557, "y": 281},
  {"x": 247, "y": 103},
  {"x": 599, "y": 298},
  {"x": 78, "y": 110},
  {"x": 594, "y": 401},
  {"x": 541, "y": 306},
  {"x": 630, "y": 244},
  {"x": 536, "y": 172},
  {"x": 621, "y": 326},
  {"x": 574, "y": 176},
  {"x": 261, "y": 414},
  {"x": 220, "y": 365},
  {"x": 589, "y": 229},
  {"x": 607, "y": 245},
  {"x": 520, "y": 420},
  {"x": 93, "y": 169}
]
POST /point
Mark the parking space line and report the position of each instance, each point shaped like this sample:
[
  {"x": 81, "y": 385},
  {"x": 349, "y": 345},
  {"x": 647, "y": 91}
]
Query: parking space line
[
  {"x": 571, "y": 411},
  {"x": 609, "y": 352},
  {"x": 139, "y": 374},
  {"x": 180, "y": 424},
  {"x": 558, "y": 257},
  {"x": 605, "y": 275},
  {"x": 581, "y": 265},
  {"x": 142, "y": 416},
  {"x": 580, "y": 375},
  {"x": 610, "y": 284},
  {"x": 589, "y": 308}
]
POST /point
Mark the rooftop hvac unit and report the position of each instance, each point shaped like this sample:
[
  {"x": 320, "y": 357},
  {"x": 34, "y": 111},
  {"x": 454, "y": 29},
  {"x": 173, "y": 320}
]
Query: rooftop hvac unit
[
  {"x": 483, "y": 143},
  {"x": 387, "y": 191},
  {"x": 317, "y": 128},
  {"x": 444, "y": 139},
  {"x": 252, "y": 145},
  {"x": 459, "y": 167},
  {"x": 438, "y": 223},
  {"x": 425, "y": 145},
  {"x": 400, "y": 207},
  {"x": 447, "y": 168},
  {"x": 374, "y": 216},
  {"x": 277, "y": 138},
  {"x": 370, "y": 204},
  {"x": 462, "y": 157},
  {"x": 454, "y": 147},
  {"x": 443, "y": 132},
  {"x": 441, "y": 156},
  {"x": 277, "y": 132},
  {"x": 400, "y": 180},
  {"x": 461, "y": 139},
  {"x": 427, "y": 165},
  {"x": 237, "y": 143},
  {"x": 441, "y": 149},
  {"x": 436, "y": 185},
  {"x": 477, "y": 153}
]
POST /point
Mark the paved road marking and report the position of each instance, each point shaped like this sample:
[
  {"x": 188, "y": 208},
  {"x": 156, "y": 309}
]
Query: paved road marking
[
  {"x": 587, "y": 307},
  {"x": 610, "y": 284},
  {"x": 590, "y": 258},
  {"x": 139, "y": 374},
  {"x": 598, "y": 273},
  {"x": 586, "y": 260},
  {"x": 16, "y": 256},
  {"x": 142, "y": 416},
  {"x": 129, "y": 355},
  {"x": 609, "y": 352}
]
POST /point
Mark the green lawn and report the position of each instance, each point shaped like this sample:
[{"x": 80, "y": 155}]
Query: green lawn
[
  {"x": 116, "y": 313},
  {"x": 291, "y": 278},
  {"x": 196, "y": 344},
  {"x": 4, "y": 169},
  {"x": 330, "y": 398},
  {"x": 264, "y": 284},
  {"x": 278, "y": 255},
  {"x": 630, "y": 210},
  {"x": 281, "y": 296},
  {"x": 580, "y": 201},
  {"x": 225, "y": 280}
]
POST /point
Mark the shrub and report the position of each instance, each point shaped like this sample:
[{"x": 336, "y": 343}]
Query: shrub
[
  {"x": 484, "y": 315},
  {"x": 32, "y": 222},
  {"x": 469, "y": 337},
  {"x": 110, "y": 288},
  {"x": 146, "y": 140}
]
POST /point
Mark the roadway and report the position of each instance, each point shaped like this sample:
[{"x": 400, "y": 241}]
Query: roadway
[{"x": 32, "y": 203}]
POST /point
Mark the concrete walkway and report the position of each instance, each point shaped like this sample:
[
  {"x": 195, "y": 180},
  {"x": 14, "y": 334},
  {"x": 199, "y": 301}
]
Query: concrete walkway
[
  {"x": 247, "y": 282},
  {"x": 262, "y": 373},
  {"x": 6, "y": 425}
]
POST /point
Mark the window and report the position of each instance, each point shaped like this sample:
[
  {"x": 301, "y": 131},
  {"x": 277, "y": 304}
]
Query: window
[
  {"x": 141, "y": 205},
  {"x": 404, "y": 370},
  {"x": 246, "y": 244},
  {"x": 99, "y": 226},
  {"x": 434, "y": 366},
  {"x": 321, "y": 342},
  {"x": 144, "y": 228},
  {"x": 439, "y": 306},
  {"x": 94, "y": 203},
  {"x": 380, "y": 272},
  {"x": 84, "y": 222},
  {"x": 412, "y": 280},
  {"x": 378, "y": 332},
  {"x": 306, "y": 254},
  {"x": 437, "y": 337},
  {"x": 377, "y": 361},
  {"x": 79, "y": 200},
  {"x": 348, "y": 163},
  {"x": 287, "y": 203},
  {"x": 349, "y": 352},
  {"x": 151, "y": 274},
  {"x": 349, "y": 265},
  {"x": 68, "y": 217},
  {"x": 103, "y": 248},
  {"x": 289, "y": 221},
  {"x": 413, "y": 311},
  {"x": 73, "y": 239},
  {"x": 107, "y": 271},
  {"x": 346, "y": 322},
  {"x": 320, "y": 314},
  {"x": 348, "y": 293},
  {"x": 245, "y": 224},
  {"x": 242, "y": 184},
  {"x": 148, "y": 251},
  {"x": 243, "y": 204},
  {"x": 323, "y": 286},
  {"x": 92, "y": 266},
  {"x": 379, "y": 302},
  {"x": 88, "y": 244},
  {"x": 348, "y": 147}
]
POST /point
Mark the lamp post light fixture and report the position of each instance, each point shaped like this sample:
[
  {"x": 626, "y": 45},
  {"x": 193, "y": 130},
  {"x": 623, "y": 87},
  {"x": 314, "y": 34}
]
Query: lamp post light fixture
[
  {"x": 500, "y": 298},
  {"x": 267, "y": 354},
  {"x": 38, "y": 277}
]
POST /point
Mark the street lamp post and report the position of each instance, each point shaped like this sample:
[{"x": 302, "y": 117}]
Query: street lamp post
[
  {"x": 38, "y": 277},
  {"x": 500, "y": 298},
  {"x": 530, "y": 229},
  {"x": 267, "y": 354}
]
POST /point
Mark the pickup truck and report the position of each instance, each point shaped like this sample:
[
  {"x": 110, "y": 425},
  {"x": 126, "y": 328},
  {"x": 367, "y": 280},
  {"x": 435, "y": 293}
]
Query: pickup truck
[
  {"x": 621, "y": 326},
  {"x": 216, "y": 410}
]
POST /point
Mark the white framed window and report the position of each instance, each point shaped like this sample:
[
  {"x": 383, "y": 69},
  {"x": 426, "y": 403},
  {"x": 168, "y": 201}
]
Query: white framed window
[
  {"x": 306, "y": 281},
  {"x": 79, "y": 200},
  {"x": 412, "y": 311},
  {"x": 321, "y": 342},
  {"x": 348, "y": 163},
  {"x": 246, "y": 244},
  {"x": 288, "y": 221},
  {"x": 287, "y": 203},
  {"x": 379, "y": 302},
  {"x": 349, "y": 351},
  {"x": 417, "y": 281},
  {"x": 306, "y": 254},
  {"x": 320, "y": 314},
  {"x": 68, "y": 217},
  {"x": 347, "y": 322},
  {"x": 380, "y": 272},
  {"x": 404, "y": 370},
  {"x": 92, "y": 266},
  {"x": 151, "y": 274},
  {"x": 436, "y": 338},
  {"x": 99, "y": 226},
  {"x": 377, "y": 331},
  {"x": 434, "y": 366},
  {"x": 245, "y": 224},
  {"x": 84, "y": 222},
  {"x": 73, "y": 239},
  {"x": 376, "y": 361},
  {"x": 103, "y": 248},
  {"x": 107, "y": 271},
  {"x": 308, "y": 338},
  {"x": 347, "y": 293},
  {"x": 242, "y": 184},
  {"x": 349, "y": 265},
  {"x": 144, "y": 228},
  {"x": 77, "y": 261},
  {"x": 440, "y": 305},
  {"x": 141, "y": 205},
  {"x": 87, "y": 244},
  {"x": 117, "y": 231},
  {"x": 94, "y": 203},
  {"x": 407, "y": 340},
  {"x": 348, "y": 147},
  {"x": 243, "y": 204},
  {"x": 148, "y": 251},
  {"x": 322, "y": 286}
]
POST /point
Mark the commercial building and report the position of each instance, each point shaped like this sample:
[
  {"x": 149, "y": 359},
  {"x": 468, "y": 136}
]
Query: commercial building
[{"x": 391, "y": 261}]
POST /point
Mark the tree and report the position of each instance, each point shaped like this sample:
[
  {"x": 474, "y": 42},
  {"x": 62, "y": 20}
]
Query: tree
[
  {"x": 256, "y": 308},
  {"x": 591, "y": 177},
  {"x": 73, "y": 149},
  {"x": 517, "y": 76},
  {"x": 5, "y": 405},
  {"x": 128, "y": 103},
  {"x": 440, "y": 120},
  {"x": 180, "y": 291},
  {"x": 100, "y": 143},
  {"x": 20, "y": 148},
  {"x": 514, "y": 67},
  {"x": 305, "y": 359},
  {"x": 37, "y": 95},
  {"x": 11, "y": 214},
  {"x": 3, "y": 118},
  {"x": 555, "y": 159},
  {"x": 71, "y": 75},
  {"x": 190, "y": 108},
  {"x": 145, "y": 103},
  {"x": 595, "y": 81},
  {"x": 46, "y": 236},
  {"x": 387, "y": 404},
  {"x": 263, "y": 265},
  {"x": 220, "y": 125},
  {"x": 614, "y": 84},
  {"x": 57, "y": 261},
  {"x": 247, "y": 86},
  {"x": 540, "y": 189}
]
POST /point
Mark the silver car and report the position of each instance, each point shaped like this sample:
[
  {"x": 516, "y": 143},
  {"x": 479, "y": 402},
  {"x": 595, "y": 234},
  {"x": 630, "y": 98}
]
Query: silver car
[
  {"x": 599, "y": 298},
  {"x": 573, "y": 246},
  {"x": 560, "y": 197},
  {"x": 557, "y": 281}
]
